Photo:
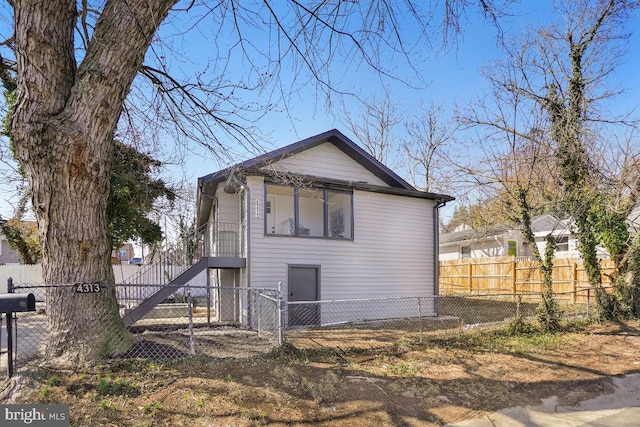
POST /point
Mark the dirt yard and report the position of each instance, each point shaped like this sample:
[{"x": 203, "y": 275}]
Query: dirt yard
[{"x": 449, "y": 377}]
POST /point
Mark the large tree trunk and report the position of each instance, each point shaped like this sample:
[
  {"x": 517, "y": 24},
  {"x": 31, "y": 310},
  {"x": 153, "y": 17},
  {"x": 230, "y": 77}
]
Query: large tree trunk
[{"x": 63, "y": 128}]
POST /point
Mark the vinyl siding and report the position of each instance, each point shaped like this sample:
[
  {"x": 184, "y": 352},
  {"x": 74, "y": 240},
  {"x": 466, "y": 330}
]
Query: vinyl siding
[
  {"x": 391, "y": 254},
  {"x": 8, "y": 255},
  {"x": 326, "y": 160},
  {"x": 228, "y": 207}
]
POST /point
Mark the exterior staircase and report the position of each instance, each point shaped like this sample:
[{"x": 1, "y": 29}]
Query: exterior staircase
[{"x": 176, "y": 266}]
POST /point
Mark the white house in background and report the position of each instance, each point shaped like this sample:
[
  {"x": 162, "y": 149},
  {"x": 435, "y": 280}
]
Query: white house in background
[
  {"x": 504, "y": 240},
  {"x": 327, "y": 221}
]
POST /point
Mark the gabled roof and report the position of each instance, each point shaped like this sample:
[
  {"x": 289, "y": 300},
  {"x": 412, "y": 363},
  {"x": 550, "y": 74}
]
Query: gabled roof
[
  {"x": 549, "y": 224},
  {"x": 541, "y": 226},
  {"x": 208, "y": 183},
  {"x": 333, "y": 136},
  {"x": 473, "y": 234}
]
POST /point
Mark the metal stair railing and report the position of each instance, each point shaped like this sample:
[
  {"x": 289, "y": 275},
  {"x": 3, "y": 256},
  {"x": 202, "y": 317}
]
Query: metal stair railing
[
  {"x": 174, "y": 267},
  {"x": 171, "y": 260},
  {"x": 164, "y": 292},
  {"x": 166, "y": 265}
]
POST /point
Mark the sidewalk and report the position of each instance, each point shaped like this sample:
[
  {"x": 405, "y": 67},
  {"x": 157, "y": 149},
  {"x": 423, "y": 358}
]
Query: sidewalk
[{"x": 618, "y": 409}]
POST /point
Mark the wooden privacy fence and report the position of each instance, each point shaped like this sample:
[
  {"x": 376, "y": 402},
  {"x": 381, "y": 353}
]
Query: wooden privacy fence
[{"x": 508, "y": 275}]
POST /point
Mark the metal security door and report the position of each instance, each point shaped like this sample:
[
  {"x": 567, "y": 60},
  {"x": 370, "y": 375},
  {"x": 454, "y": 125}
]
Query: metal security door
[{"x": 304, "y": 285}]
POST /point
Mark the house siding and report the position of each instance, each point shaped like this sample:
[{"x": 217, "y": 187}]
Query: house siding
[
  {"x": 228, "y": 207},
  {"x": 326, "y": 160},
  {"x": 492, "y": 246},
  {"x": 391, "y": 254},
  {"x": 8, "y": 255}
]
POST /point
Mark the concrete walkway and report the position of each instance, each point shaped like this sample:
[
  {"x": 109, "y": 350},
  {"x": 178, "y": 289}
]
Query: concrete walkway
[{"x": 618, "y": 409}]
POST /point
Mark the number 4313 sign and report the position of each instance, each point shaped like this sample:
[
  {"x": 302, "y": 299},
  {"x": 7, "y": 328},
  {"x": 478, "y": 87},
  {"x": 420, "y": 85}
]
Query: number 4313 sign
[{"x": 87, "y": 288}]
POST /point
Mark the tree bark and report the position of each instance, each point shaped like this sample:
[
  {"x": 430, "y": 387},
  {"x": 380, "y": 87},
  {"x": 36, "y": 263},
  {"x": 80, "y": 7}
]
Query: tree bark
[{"x": 63, "y": 126}]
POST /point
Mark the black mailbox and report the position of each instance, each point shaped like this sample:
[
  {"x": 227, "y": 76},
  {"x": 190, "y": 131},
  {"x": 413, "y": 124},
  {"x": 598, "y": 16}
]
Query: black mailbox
[{"x": 11, "y": 303}]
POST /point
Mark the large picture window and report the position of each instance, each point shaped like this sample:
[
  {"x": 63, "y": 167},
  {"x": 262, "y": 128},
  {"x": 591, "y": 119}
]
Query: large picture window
[
  {"x": 280, "y": 210},
  {"x": 308, "y": 212},
  {"x": 340, "y": 215}
]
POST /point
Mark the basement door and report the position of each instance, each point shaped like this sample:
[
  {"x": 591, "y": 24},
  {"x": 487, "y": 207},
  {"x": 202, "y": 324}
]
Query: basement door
[{"x": 304, "y": 285}]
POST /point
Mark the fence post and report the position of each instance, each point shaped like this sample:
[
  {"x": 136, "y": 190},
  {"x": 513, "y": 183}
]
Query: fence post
[
  {"x": 588, "y": 301},
  {"x": 514, "y": 277},
  {"x": 190, "y": 310},
  {"x": 420, "y": 317},
  {"x": 10, "y": 355},
  {"x": 470, "y": 277},
  {"x": 281, "y": 312},
  {"x": 574, "y": 278}
]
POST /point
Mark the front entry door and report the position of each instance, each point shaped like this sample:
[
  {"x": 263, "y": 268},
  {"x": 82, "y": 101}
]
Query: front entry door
[{"x": 304, "y": 285}]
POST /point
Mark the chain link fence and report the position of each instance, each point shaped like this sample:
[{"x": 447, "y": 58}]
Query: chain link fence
[
  {"x": 367, "y": 323},
  {"x": 212, "y": 322},
  {"x": 220, "y": 323}
]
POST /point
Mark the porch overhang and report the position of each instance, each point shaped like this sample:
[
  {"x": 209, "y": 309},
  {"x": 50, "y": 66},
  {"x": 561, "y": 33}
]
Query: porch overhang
[{"x": 226, "y": 262}]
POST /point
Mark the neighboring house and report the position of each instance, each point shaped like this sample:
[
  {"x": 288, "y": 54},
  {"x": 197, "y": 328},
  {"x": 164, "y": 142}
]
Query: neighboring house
[
  {"x": 8, "y": 255},
  {"x": 504, "y": 240},
  {"x": 490, "y": 241},
  {"x": 122, "y": 255},
  {"x": 633, "y": 221},
  {"x": 326, "y": 221}
]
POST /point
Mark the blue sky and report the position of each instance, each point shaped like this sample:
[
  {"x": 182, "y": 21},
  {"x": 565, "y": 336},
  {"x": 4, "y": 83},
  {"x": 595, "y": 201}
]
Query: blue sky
[
  {"x": 448, "y": 78},
  {"x": 453, "y": 78}
]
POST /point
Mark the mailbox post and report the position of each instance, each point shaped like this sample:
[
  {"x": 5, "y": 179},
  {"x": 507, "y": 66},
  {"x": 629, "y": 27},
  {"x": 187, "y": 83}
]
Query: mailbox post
[{"x": 9, "y": 304}]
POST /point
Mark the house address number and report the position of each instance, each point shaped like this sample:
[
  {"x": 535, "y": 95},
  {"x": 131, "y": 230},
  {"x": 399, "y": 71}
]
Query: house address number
[{"x": 87, "y": 288}]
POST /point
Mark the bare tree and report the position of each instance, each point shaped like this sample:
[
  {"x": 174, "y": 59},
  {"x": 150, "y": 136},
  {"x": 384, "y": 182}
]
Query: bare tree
[
  {"x": 517, "y": 173},
  {"x": 21, "y": 234},
  {"x": 375, "y": 125},
  {"x": 79, "y": 67},
  {"x": 562, "y": 70},
  {"x": 429, "y": 148}
]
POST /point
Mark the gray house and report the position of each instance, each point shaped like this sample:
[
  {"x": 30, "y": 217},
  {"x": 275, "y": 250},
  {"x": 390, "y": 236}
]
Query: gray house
[
  {"x": 505, "y": 240},
  {"x": 325, "y": 220},
  {"x": 8, "y": 255},
  {"x": 319, "y": 220}
]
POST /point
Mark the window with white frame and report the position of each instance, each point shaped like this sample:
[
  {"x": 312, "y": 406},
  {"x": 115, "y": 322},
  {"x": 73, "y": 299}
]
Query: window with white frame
[{"x": 308, "y": 212}]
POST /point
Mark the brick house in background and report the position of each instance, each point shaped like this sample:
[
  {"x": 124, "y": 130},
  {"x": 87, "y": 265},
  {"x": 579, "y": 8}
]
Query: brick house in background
[{"x": 122, "y": 255}]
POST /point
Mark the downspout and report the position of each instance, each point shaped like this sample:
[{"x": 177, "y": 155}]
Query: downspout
[
  {"x": 247, "y": 213},
  {"x": 436, "y": 245},
  {"x": 231, "y": 187}
]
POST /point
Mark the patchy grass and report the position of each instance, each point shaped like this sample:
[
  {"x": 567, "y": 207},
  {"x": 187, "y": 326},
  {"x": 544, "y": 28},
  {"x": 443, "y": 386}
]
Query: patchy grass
[{"x": 449, "y": 377}]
